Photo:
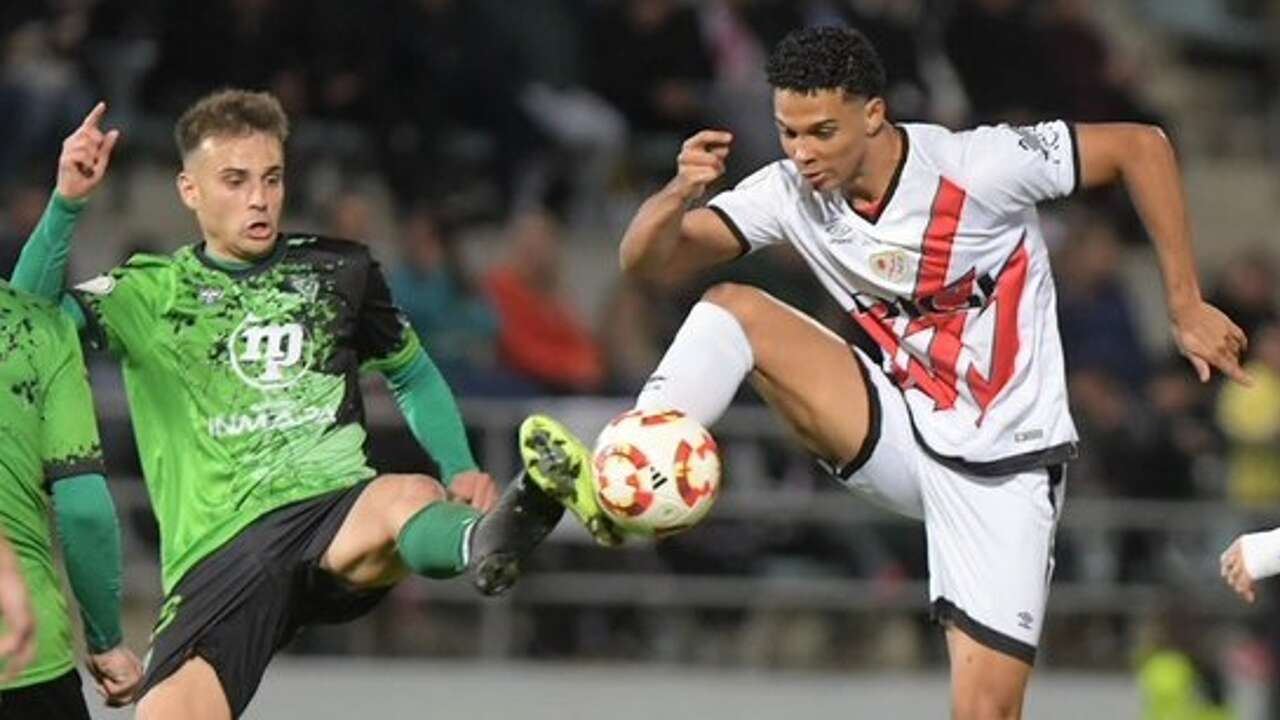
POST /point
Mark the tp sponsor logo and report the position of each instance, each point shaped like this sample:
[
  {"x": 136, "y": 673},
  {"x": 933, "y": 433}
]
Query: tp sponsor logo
[{"x": 269, "y": 356}]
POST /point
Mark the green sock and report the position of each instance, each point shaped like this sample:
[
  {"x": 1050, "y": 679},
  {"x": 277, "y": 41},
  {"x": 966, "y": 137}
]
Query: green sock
[{"x": 433, "y": 542}]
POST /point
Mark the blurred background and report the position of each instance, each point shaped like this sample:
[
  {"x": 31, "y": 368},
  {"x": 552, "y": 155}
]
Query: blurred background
[{"x": 492, "y": 151}]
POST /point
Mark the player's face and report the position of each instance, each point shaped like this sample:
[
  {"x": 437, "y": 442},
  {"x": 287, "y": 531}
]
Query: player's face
[
  {"x": 235, "y": 186},
  {"x": 826, "y": 133}
]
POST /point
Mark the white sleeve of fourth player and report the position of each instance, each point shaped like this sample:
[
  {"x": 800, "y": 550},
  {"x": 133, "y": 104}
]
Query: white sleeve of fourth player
[
  {"x": 1261, "y": 553},
  {"x": 1013, "y": 167},
  {"x": 752, "y": 209}
]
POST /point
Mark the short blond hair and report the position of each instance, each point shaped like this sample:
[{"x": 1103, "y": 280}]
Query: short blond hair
[{"x": 230, "y": 112}]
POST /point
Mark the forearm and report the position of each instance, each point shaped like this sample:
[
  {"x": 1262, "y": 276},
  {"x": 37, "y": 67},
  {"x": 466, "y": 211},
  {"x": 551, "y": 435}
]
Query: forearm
[
  {"x": 432, "y": 414},
  {"x": 651, "y": 239},
  {"x": 42, "y": 267},
  {"x": 90, "y": 537},
  {"x": 1154, "y": 182}
]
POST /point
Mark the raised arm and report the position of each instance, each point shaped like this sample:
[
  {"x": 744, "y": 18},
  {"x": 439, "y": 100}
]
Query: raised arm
[
  {"x": 1142, "y": 157},
  {"x": 86, "y": 153},
  {"x": 666, "y": 241}
]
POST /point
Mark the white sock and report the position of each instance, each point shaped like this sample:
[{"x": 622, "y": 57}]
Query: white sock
[{"x": 703, "y": 367}]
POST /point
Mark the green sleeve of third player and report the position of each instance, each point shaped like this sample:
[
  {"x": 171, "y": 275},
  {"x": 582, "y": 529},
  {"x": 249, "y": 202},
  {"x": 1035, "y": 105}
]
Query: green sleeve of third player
[
  {"x": 72, "y": 458},
  {"x": 69, "y": 429},
  {"x": 90, "y": 538}
]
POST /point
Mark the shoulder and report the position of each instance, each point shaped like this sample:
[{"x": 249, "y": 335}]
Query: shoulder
[
  {"x": 43, "y": 322},
  {"x": 141, "y": 269},
  {"x": 770, "y": 186},
  {"x": 331, "y": 253},
  {"x": 999, "y": 144},
  {"x": 325, "y": 245},
  {"x": 938, "y": 147},
  {"x": 149, "y": 263}
]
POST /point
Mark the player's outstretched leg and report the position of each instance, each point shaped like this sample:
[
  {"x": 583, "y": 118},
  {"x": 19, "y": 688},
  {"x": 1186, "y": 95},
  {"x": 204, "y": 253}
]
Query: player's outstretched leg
[
  {"x": 503, "y": 537},
  {"x": 560, "y": 464}
]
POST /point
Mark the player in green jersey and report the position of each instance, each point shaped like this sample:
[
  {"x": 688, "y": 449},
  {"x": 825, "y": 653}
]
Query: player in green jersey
[
  {"x": 50, "y": 459},
  {"x": 241, "y": 355}
]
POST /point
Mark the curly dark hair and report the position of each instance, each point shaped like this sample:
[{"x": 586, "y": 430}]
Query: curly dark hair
[{"x": 813, "y": 59}]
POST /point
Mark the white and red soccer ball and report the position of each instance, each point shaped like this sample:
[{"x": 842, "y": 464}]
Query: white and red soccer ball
[{"x": 657, "y": 472}]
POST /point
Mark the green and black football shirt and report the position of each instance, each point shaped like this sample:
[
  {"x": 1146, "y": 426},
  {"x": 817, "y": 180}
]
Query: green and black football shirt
[
  {"x": 243, "y": 384},
  {"x": 47, "y": 433}
]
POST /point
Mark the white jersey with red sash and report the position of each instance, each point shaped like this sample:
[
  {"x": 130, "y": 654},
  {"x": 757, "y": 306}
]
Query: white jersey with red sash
[{"x": 951, "y": 279}]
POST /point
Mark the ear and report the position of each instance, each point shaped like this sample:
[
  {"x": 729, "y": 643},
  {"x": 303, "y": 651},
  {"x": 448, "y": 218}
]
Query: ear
[
  {"x": 188, "y": 191},
  {"x": 874, "y": 116}
]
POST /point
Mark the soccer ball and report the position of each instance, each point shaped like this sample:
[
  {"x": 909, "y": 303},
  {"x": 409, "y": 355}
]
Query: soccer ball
[{"x": 657, "y": 473}]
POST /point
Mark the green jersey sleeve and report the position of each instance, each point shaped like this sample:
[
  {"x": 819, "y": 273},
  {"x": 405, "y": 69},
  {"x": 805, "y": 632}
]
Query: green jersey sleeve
[
  {"x": 384, "y": 340},
  {"x": 122, "y": 306},
  {"x": 69, "y": 432}
]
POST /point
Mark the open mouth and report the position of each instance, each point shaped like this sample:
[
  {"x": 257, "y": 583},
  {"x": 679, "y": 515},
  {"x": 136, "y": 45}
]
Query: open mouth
[{"x": 260, "y": 230}]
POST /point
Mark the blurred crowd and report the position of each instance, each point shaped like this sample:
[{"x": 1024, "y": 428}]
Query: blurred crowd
[
  {"x": 544, "y": 122},
  {"x": 538, "y": 117}
]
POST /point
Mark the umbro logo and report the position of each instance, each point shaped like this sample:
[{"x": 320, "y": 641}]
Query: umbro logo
[{"x": 840, "y": 232}]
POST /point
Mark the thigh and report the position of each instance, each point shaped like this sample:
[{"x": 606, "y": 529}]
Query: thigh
[
  {"x": 59, "y": 698},
  {"x": 990, "y": 547},
  {"x": 235, "y": 608},
  {"x": 363, "y": 551},
  {"x": 985, "y": 683},
  {"x": 803, "y": 370},
  {"x": 192, "y": 692},
  {"x": 887, "y": 469}
]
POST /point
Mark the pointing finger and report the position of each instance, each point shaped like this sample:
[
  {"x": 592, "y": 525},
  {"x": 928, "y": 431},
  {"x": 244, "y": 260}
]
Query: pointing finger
[{"x": 95, "y": 116}]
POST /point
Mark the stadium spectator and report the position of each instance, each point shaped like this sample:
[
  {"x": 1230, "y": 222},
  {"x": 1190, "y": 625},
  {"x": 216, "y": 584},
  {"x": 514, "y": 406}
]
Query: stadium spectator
[
  {"x": 457, "y": 322},
  {"x": 1250, "y": 418},
  {"x": 542, "y": 338},
  {"x": 23, "y": 204},
  {"x": 649, "y": 60},
  {"x": 1246, "y": 289},
  {"x": 1001, "y": 64},
  {"x": 1095, "y": 83},
  {"x": 1095, "y": 314}
]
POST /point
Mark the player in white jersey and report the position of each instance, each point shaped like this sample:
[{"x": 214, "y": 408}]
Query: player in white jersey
[{"x": 929, "y": 238}]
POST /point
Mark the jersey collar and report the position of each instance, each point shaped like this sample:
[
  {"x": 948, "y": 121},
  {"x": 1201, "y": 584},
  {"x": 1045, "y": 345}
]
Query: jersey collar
[{"x": 281, "y": 247}]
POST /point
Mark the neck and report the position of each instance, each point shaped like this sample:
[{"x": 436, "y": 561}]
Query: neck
[{"x": 883, "y": 154}]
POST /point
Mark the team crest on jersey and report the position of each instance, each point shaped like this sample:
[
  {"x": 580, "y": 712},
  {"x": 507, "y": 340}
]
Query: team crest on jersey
[
  {"x": 892, "y": 265},
  {"x": 210, "y": 295},
  {"x": 308, "y": 287},
  {"x": 101, "y": 285},
  {"x": 269, "y": 356}
]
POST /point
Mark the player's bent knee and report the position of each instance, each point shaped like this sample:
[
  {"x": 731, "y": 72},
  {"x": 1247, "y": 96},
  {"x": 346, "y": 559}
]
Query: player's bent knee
[
  {"x": 408, "y": 494},
  {"x": 742, "y": 301}
]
